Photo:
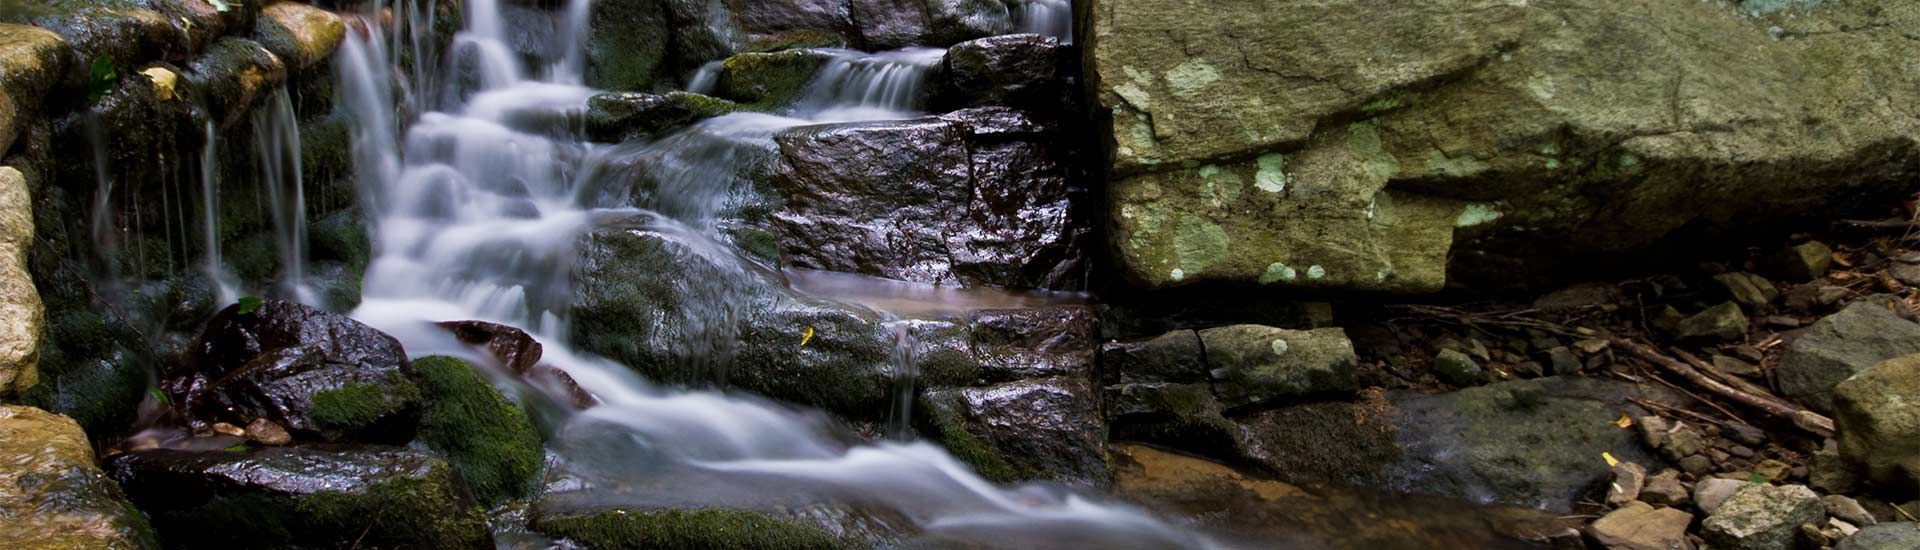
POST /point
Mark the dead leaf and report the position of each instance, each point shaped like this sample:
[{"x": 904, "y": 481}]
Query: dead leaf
[
  {"x": 1624, "y": 422},
  {"x": 806, "y": 336}
]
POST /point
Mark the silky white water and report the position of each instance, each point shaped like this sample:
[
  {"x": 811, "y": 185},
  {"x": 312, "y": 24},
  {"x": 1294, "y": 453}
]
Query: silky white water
[{"x": 476, "y": 217}]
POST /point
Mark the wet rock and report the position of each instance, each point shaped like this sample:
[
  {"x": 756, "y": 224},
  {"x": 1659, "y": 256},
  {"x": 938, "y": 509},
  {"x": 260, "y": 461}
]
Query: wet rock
[
  {"x": 22, "y": 316},
  {"x": 1665, "y": 489},
  {"x": 1637, "y": 526},
  {"x": 1016, "y": 70},
  {"x": 235, "y": 74},
  {"x": 782, "y": 24},
  {"x": 1040, "y": 429},
  {"x": 1710, "y": 493},
  {"x": 976, "y": 197},
  {"x": 627, "y": 44},
  {"x": 301, "y": 35},
  {"x": 1171, "y": 357},
  {"x": 1525, "y": 443},
  {"x": 317, "y": 496},
  {"x": 1560, "y": 360},
  {"x": 1763, "y": 517},
  {"x": 1454, "y": 367},
  {"x": 1847, "y": 509},
  {"x": 1839, "y": 346},
  {"x": 1886, "y": 536},
  {"x": 1803, "y": 262},
  {"x": 893, "y": 24},
  {"x": 514, "y": 348},
  {"x": 621, "y": 116},
  {"x": 124, "y": 33},
  {"x": 321, "y": 375},
  {"x": 265, "y": 432},
  {"x": 32, "y": 60},
  {"x": 769, "y": 80},
  {"x": 489, "y": 440},
  {"x": 1185, "y": 100},
  {"x": 1748, "y": 289},
  {"x": 1878, "y": 423},
  {"x": 53, "y": 495},
  {"x": 1628, "y": 480},
  {"x": 1011, "y": 344},
  {"x": 1252, "y": 364},
  {"x": 1723, "y": 322},
  {"x": 685, "y": 528}
]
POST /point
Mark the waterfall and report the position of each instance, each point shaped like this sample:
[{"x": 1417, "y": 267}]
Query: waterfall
[
  {"x": 1047, "y": 18},
  {"x": 225, "y": 290},
  {"x": 706, "y": 78},
  {"x": 476, "y": 217},
  {"x": 859, "y": 86},
  {"x": 277, "y": 154}
]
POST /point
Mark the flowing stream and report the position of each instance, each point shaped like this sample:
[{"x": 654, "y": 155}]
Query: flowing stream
[{"x": 477, "y": 216}]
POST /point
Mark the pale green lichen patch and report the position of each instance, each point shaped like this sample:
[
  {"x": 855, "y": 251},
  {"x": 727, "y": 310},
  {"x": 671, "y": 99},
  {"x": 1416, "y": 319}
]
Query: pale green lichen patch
[
  {"x": 1278, "y": 272},
  {"x": 1461, "y": 166},
  {"x": 1199, "y": 243},
  {"x": 1476, "y": 213},
  {"x": 1272, "y": 176},
  {"x": 1192, "y": 78},
  {"x": 1279, "y": 346},
  {"x": 1316, "y": 272},
  {"x": 1363, "y": 140}
]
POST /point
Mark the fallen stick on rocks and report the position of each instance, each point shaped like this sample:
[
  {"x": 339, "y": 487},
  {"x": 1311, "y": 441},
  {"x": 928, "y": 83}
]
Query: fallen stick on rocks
[{"x": 1806, "y": 420}]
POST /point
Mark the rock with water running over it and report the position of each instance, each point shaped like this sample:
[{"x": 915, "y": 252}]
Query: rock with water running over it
[
  {"x": 234, "y": 75},
  {"x": 51, "y": 493},
  {"x": 621, "y": 116},
  {"x": 22, "y": 317},
  {"x": 123, "y": 34},
  {"x": 1253, "y": 364},
  {"x": 488, "y": 439},
  {"x": 1037, "y": 429},
  {"x": 301, "y": 35},
  {"x": 514, "y": 348},
  {"x": 327, "y": 496},
  {"x": 1840, "y": 346},
  {"x": 1477, "y": 140},
  {"x": 635, "y": 528},
  {"x": 321, "y": 375},
  {"x": 1016, "y": 70},
  {"x": 976, "y": 198},
  {"x": 1763, "y": 517},
  {"x": 1525, "y": 442},
  {"x": 1877, "y": 419}
]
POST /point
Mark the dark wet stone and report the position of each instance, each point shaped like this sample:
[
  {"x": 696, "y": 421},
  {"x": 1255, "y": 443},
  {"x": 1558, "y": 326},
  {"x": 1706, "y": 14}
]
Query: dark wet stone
[
  {"x": 1016, "y": 70},
  {"x": 1171, "y": 357},
  {"x": 1039, "y": 429},
  {"x": 686, "y": 528},
  {"x": 616, "y": 117},
  {"x": 973, "y": 198},
  {"x": 513, "y": 347},
  {"x": 1252, "y": 363},
  {"x": 780, "y": 24},
  {"x": 1013, "y": 344},
  {"x": 769, "y": 81},
  {"x": 321, "y": 375},
  {"x": 373, "y": 497},
  {"x": 233, "y": 76},
  {"x": 627, "y": 43},
  {"x": 894, "y": 24}
]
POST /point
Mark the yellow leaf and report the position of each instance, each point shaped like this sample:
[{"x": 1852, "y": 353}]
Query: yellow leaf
[
  {"x": 806, "y": 336},
  {"x": 1624, "y": 422},
  {"x": 1611, "y": 461}
]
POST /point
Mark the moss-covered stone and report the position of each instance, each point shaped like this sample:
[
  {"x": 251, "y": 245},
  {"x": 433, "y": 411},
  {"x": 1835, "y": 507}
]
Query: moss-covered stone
[
  {"x": 627, "y": 44},
  {"x": 51, "y": 493},
  {"x": 769, "y": 81},
  {"x": 235, "y": 74},
  {"x": 686, "y": 529},
  {"x": 301, "y": 35},
  {"x": 373, "y": 497},
  {"x": 358, "y": 407},
  {"x": 89, "y": 373},
  {"x": 488, "y": 439},
  {"x": 615, "y": 117}
]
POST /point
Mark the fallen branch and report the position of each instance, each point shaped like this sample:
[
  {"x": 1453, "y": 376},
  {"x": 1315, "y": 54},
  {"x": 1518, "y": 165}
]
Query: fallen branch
[{"x": 1804, "y": 419}]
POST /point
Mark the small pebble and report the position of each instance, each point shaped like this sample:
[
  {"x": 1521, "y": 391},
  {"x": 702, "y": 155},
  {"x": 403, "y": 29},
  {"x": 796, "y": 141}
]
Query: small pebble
[{"x": 223, "y": 428}]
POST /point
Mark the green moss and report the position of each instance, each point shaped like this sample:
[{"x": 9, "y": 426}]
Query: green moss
[
  {"x": 768, "y": 81},
  {"x": 87, "y": 373},
  {"x": 628, "y": 44},
  {"x": 669, "y": 529},
  {"x": 488, "y": 439},
  {"x": 796, "y": 40},
  {"x": 758, "y": 242},
  {"x": 354, "y": 407},
  {"x": 409, "y": 511}
]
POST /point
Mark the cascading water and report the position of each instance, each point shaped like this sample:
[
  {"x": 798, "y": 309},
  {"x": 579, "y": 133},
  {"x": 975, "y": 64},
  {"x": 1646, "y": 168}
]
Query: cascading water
[
  {"x": 1047, "y": 18},
  {"x": 225, "y": 289},
  {"x": 477, "y": 217},
  {"x": 858, "y": 86},
  {"x": 277, "y": 154}
]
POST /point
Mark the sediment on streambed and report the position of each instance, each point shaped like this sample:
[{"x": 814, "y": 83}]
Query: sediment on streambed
[{"x": 985, "y": 273}]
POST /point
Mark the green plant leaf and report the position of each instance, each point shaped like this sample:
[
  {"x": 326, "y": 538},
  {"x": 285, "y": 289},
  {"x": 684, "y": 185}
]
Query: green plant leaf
[
  {"x": 101, "y": 78},
  {"x": 223, "y": 6},
  {"x": 250, "y": 303},
  {"x": 1757, "y": 478},
  {"x": 241, "y": 448},
  {"x": 158, "y": 396}
]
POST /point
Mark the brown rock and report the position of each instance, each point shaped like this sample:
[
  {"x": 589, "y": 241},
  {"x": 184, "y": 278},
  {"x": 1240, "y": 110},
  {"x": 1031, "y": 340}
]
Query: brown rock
[
  {"x": 1639, "y": 526},
  {"x": 265, "y": 432}
]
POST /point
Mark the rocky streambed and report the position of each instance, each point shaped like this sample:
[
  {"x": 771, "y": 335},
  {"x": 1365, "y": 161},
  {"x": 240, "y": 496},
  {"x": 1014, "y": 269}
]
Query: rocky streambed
[{"x": 1020, "y": 274}]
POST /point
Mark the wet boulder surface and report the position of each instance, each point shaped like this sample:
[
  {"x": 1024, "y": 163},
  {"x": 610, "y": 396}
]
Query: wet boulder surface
[
  {"x": 976, "y": 197},
  {"x": 1016, "y": 70},
  {"x": 53, "y": 495},
  {"x": 315, "y": 496},
  {"x": 321, "y": 375}
]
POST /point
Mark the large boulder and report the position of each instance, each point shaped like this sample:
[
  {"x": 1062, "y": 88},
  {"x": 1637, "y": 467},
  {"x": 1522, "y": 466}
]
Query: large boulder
[
  {"x": 1390, "y": 147},
  {"x": 1877, "y": 420},
  {"x": 321, "y": 375},
  {"x": 51, "y": 493},
  {"x": 1840, "y": 346},
  {"x": 22, "y": 318},
  {"x": 1885, "y": 536},
  {"x": 627, "y": 44},
  {"x": 32, "y": 60},
  {"x": 1763, "y": 517},
  {"x": 1016, "y": 70},
  {"x": 301, "y": 35},
  {"x": 318, "y": 496},
  {"x": 976, "y": 197},
  {"x": 1639, "y": 526}
]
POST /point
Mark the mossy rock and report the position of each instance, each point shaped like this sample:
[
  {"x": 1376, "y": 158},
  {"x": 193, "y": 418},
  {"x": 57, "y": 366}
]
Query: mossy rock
[
  {"x": 678, "y": 528},
  {"x": 488, "y": 439},
  {"x": 620, "y": 116},
  {"x": 627, "y": 44},
  {"x": 321, "y": 496},
  {"x": 768, "y": 81},
  {"x": 89, "y": 373},
  {"x": 299, "y": 34}
]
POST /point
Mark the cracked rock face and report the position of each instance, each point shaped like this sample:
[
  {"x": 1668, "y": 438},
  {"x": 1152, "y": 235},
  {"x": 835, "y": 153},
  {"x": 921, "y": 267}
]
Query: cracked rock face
[{"x": 1392, "y": 149}]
